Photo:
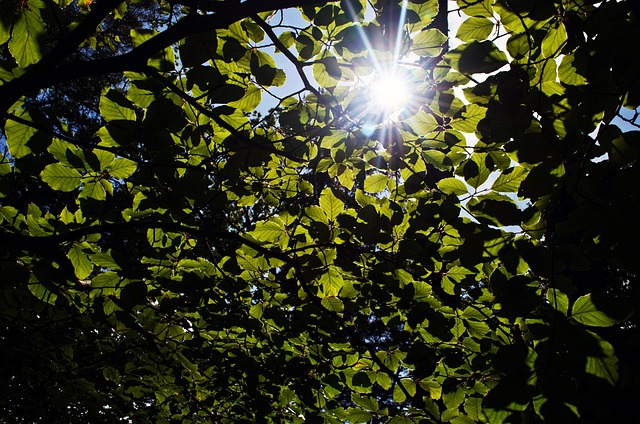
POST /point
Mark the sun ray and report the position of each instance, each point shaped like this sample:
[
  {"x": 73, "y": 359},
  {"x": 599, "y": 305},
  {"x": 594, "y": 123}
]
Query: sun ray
[
  {"x": 387, "y": 91},
  {"x": 400, "y": 32}
]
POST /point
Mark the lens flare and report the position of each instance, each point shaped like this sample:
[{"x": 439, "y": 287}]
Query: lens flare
[{"x": 389, "y": 93}]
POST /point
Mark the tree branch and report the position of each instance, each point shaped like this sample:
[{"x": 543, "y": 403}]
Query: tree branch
[
  {"x": 47, "y": 74},
  {"x": 11, "y": 91},
  {"x": 215, "y": 117},
  {"x": 294, "y": 61}
]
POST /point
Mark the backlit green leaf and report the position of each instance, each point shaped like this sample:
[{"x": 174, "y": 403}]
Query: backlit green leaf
[
  {"x": 332, "y": 281},
  {"x": 249, "y": 100},
  {"x": 333, "y": 304},
  {"x": 81, "y": 263},
  {"x": 603, "y": 362},
  {"x": 452, "y": 186},
  {"x": 60, "y": 177},
  {"x": 330, "y": 204},
  {"x": 586, "y": 312},
  {"x": 423, "y": 123},
  {"x": 27, "y": 38},
  {"x": 558, "y": 300},
  {"x": 554, "y": 40},
  {"x": 509, "y": 180},
  {"x": 18, "y": 135},
  {"x": 270, "y": 230},
  {"x": 375, "y": 183},
  {"x": 471, "y": 116},
  {"x": 327, "y": 72},
  {"x": 367, "y": 402},
  {"x": 122, "y": 168},
  {"x": 93, "y": 189},
  {"x": 114, "y": 106},
  {"x": 475, "y": 28},
  {"x": 428, "y": 42}
]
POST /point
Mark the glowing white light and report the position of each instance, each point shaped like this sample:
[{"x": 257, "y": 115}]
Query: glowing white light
[{"x": 389, "y": 93}]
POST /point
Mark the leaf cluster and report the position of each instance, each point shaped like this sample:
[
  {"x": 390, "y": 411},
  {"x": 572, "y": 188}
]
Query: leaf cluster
[{"x": 170, "y": 255}]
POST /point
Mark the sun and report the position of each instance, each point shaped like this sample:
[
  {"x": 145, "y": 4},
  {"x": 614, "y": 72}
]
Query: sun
[{"x": 389, "y": 93}]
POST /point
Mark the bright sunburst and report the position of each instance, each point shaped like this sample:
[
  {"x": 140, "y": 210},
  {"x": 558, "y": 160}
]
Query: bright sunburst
[
  {"x": 389, "y": 93},
  {"x": 393, "y": 90}
]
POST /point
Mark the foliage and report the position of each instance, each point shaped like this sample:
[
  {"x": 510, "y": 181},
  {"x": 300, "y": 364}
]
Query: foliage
[{"x": 169, "y": 256}]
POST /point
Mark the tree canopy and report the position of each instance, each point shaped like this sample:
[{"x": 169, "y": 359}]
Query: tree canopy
[{"x": 173, "y": 250}]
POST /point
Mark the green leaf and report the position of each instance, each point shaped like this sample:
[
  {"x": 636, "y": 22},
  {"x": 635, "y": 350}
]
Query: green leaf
[
  {"x": 453, "y": 399},
  {"x": 509, "y": 180},
  {"x": 473, "y": 408},
  {"x": 554, "y": 39},
  {"x": 279, "y": 79},
  {"x": 428, "y": 43},
  {"x": 476, "y": 8},
  {"x": 93, "y": 190},
  {"x": 327, "y": 72},
  {"x": 558, "y": 301},
  {"x": 477, "y": 58},
  {"x": 330, "y": 204},
  {"x": 99, "y": 159},
  {"x": 422, "y": 291},
  {"x": 426, "y": 11},
  {"x": 345, "y": 176},
  {"x": 499, "y": 212},
  {"x": 263, "y": 68},
  {"x": 389, "y": 359},
  {"x": 107, "y": 283},
  {"x": 189, "y": 265},
  {"x": 27, "y": 39},
  {"x": 333, "y": 304},
  {"x": 475, "y": 171},
  {"x": 331, "y": 281},
  {"x": 316, "y": 214},
  {"x": 375, "y": 183},
  {"x": 287, "y": 38},
  {"x": 7, "y": 12},
  {"x": 115, "y": 106},
  {"x": 67, "y": 154},
  {"x": 475, "y": 28},
  {"x": 384, "y": 380},
  {"x": 81, "y": 263},
  {"x": 586, "y": 312},
  {"x": 355, "y": 415},
  {"x": 602, "y": 364},
  {"x": 105, "y": 260},
  {"x": 452, "y": 186},
  {"x": 422, "y": 123},
  {"x": 60, "y": 177},
  {"x": 568, "y": 73},
  {"x": 198, "y": 48},
  {"x": 122, "y": 168},
  {"x": 369, "y": 403},
  {"x": 18, "y": 135},
  {"x": 250, "y": 100},
  {"x": 256, "y": 310},
  {"x": 433, "y": 387},
  {"x": 398, "y": 392},
  {"x": 470, "y": 118},
  {"x": 43, "y": 293},
  {"x": 518, "y": 46},
  {"x": 106, "y": 280},
  {"x": 270, "y": 230}
]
